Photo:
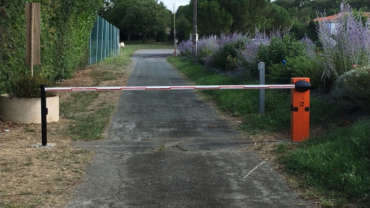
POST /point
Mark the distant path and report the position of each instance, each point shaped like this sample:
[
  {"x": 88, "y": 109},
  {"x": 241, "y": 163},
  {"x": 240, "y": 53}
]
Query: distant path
[{"x": 170, "y": 149}]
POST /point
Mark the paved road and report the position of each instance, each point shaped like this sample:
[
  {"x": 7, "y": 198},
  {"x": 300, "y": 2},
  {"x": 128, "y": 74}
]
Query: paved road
[{"x": 171, "y": 149}]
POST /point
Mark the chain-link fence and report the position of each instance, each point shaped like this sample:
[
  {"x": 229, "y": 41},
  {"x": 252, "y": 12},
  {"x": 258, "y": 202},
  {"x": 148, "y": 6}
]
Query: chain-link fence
[{"x": 104, "y": 41}]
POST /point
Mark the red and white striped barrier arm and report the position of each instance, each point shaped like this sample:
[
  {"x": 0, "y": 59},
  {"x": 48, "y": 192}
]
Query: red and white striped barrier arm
[{"x": 169, "y": 88}]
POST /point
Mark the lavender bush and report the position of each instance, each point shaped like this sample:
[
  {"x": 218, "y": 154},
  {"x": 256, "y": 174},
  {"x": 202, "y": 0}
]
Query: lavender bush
[
  {"x": 310, "y": 47},
  {"x": 208, "y": 46},
  {"x": 237, "y": 50},
  {"x": 346, "y": 46},
  {"x": 185, "y": 48}
]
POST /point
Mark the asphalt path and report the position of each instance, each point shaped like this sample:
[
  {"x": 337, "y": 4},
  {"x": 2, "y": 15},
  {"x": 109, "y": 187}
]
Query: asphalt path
[{"x": 172, "y": 149}]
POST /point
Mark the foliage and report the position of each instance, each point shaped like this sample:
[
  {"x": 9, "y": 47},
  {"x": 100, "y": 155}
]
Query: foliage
[
  {"x": 280, "y": 49},
  {"x": 26, "y": 86},
  {"x": 241, "y": 16},
  {"x": 252, "y": 46},
  {"x": 306, "y": 10},
  {"x": 206, "y": 48},
  {"x": 348, "y": 45},
  {"x": 228, "y": 57},
  {"x": 140, "y": 20},
  {"x": 273, "y": 18},
  {"x": 183, "y": 27},
  {"x": 65, "y": 32},
  {"x": 354, "y": 86},
  {"x": 185, "y": 48},
  {"x": 338, "y": 161},
  {"x": 299, "y": 30},
  {"x": 297, "y": 66},
  {"x": 219, "y": 22}
]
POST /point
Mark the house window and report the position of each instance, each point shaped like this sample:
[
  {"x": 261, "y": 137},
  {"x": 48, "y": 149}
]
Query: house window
[{"x": 333, "y": 28}]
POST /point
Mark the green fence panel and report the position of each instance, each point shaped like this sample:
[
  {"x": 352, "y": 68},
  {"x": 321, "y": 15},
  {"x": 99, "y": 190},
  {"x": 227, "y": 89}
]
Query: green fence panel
[{"x": 104, "y": 41}]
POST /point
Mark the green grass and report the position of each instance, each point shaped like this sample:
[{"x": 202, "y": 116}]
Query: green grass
[
  {"x": 337, "y": 163},
  {"x": 91, "y": 126},
  {"x": 87, "y": 124},
  {"x": 77, "y": 104}
]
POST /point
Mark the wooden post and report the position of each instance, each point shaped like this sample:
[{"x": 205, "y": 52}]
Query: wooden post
[{"x": 32, "y": 11}]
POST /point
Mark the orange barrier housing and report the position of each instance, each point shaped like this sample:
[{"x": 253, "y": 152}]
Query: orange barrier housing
[{"x": 300, "y": 112}]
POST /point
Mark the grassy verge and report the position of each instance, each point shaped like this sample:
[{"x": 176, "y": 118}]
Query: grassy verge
[
  {"x": 335, "y": 165},
  {"x": 244, "y": 103}
]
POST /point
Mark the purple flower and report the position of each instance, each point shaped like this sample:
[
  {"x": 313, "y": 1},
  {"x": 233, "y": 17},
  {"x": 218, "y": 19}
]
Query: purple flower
[{"x": 310, "y": 47}]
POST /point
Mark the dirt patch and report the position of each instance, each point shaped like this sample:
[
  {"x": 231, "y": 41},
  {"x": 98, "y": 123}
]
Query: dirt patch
[
  {"x": 38, "y": 177},
  {"x": 46, "y": 177}
]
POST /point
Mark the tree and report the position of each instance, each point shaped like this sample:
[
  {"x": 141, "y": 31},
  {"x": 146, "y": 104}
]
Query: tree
[
  {"x": 140, "y": 19},
  {"x": 273, "y": 18},
  {"x": 244, "y": 13},
  {"x": 219, "y": 22},
  {"x": 183, "y": 28}
]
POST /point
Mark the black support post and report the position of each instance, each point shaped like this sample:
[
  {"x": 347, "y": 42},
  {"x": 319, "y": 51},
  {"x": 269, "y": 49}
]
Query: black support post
[{"x": 44, "y": 113}]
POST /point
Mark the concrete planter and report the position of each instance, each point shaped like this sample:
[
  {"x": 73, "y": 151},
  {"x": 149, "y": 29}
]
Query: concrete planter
[{"x": 27, "y": 110}]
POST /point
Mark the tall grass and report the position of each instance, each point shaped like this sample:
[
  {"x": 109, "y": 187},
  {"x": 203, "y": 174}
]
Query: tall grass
[{"x": 336, "y": 162}]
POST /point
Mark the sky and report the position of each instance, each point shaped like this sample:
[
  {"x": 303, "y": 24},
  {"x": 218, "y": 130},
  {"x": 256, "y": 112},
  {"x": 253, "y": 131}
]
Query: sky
[{"x": 169, "y": 3}]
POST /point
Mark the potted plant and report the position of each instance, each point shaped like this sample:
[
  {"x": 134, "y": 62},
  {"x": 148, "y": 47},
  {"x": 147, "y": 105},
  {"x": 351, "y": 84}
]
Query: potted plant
[{"x": 22, "y": 104}]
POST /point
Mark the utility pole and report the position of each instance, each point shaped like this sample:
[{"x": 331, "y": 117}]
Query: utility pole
[
  {"x": 195, "y": 27},
  {"x": 174, "y": 28}
]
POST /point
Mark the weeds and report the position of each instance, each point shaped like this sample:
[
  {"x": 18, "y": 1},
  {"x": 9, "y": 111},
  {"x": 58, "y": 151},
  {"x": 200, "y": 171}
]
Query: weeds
[{"x": 337, "y": 163}]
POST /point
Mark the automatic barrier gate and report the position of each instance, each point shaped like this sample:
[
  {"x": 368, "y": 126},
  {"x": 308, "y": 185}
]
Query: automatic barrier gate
[{"x": 300, "y": 101}]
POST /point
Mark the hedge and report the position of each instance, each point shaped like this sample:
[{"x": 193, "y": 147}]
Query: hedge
[{"x": 65, "y": 32}]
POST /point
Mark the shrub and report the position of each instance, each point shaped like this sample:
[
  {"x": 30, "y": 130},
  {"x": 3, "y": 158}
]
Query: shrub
[
  {"x": 354, "y": 86},
  {"x": 206, "y": 48},
  {"x": 185, "y": 48},
  {"x": 299, "y": 30},
  {"x": 298, "y": 66},
  {"x": 26, "y": 86},
  {"x": 280, "y": 49},
  {"x": 310, "y": 47},
  {"x": 252, "y": 45},
  {"x": 65, "y": 32},
  {"x": 229, "y": 56},
  {"x": 231, "y": 38}
]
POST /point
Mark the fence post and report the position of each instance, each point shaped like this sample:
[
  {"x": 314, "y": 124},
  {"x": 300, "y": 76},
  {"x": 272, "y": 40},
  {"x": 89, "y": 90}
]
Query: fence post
[
  {"x": 300, "y": 109},
  {"x": 261, "y": 69},
  {"x": 44, "y": 113}
]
